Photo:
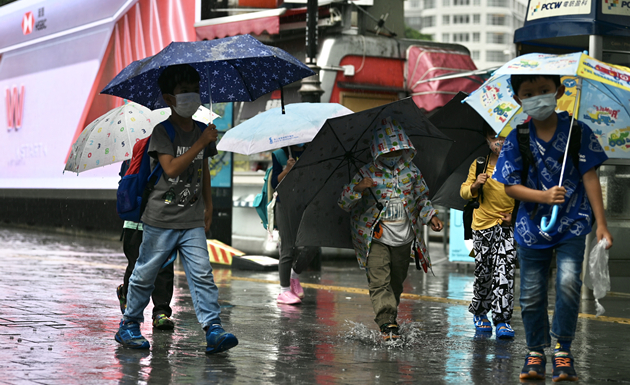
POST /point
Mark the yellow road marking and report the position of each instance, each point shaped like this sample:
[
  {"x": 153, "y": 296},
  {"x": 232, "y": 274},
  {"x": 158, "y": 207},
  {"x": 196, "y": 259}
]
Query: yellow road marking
[{"x": 342, "y": 289}]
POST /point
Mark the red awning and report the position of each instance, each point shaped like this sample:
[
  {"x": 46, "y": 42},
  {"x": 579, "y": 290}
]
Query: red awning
[
  {"x": 424, "y": 63},
  {"x": 250, "y": 23}
]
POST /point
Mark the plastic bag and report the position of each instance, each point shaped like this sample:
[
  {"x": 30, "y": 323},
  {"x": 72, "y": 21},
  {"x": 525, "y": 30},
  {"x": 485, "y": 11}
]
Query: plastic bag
[
  {"x": 598, "y": 278},
  {"x": 271, "y": 218}
]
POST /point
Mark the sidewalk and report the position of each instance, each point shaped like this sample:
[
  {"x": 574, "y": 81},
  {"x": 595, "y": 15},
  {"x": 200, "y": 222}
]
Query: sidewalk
[{"x": 60, "y": 313}]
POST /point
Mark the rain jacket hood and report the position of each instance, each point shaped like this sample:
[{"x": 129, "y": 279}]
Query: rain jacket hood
[
  {"x": 390, "y": 137},
  {"x": 404, "y": 181}
]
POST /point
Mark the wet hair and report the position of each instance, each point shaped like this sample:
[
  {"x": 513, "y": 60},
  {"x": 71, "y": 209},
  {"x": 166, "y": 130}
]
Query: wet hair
[
  {"x": 518, "y": 80},
  {"x": 177, "y": 74}
]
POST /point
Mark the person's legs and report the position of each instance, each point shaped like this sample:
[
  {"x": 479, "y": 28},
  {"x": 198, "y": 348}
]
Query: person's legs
[
  {"x": 205, "y": 294},
  {"x": 378, "y": 273},
  {"x": 193, "y": 251},
  {"x": 482, "y": 287},
  {"x": 286, "y": 226},
  {"x": 534, "y": 274},
  {"x": 287, "y": 242},
  {"x": 132, "y": 238},
  {"x": 503, "y": 275},
  {"x": 400, "y": 259},
  {"x": 163, "y": 292},
  {"x": 569, "y": 258},
  {"x": 157, "y": 245}
]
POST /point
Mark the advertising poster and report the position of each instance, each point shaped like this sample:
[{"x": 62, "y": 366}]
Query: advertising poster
[{"x": 221, "y": 164}]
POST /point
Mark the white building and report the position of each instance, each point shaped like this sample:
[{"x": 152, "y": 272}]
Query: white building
[{"x": 485, "y": 27}]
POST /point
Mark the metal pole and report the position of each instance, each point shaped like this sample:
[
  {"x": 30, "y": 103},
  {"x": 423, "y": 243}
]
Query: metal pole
[
  {"x": 595, "y": 46},
  {"x": 311, "y": 90}
]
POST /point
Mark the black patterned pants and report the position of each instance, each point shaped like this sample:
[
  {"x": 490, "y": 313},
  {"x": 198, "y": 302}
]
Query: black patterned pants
[{"x": 495, "y": 256}]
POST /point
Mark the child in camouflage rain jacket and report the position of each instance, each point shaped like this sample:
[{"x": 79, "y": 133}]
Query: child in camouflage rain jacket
[{"x": 385, "y": 238}]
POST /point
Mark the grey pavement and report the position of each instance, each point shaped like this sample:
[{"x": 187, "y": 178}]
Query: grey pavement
[{"x": 59, "y": 314}]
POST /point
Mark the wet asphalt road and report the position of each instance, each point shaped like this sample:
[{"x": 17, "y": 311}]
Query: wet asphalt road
[{"x": 59, "y": 314}]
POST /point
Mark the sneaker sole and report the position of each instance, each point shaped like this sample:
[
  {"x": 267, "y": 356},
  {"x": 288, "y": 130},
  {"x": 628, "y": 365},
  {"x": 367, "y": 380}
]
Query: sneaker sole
[
  {"x": 226, "y": 344},
  {"x": 288, "y": 303},
  {"x": 532, "y": 375},
  {"x": 564, "y": 377},
  {"x": 144, "y": 345}
]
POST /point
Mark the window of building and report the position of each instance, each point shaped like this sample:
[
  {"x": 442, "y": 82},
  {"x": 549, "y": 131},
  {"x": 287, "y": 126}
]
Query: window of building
[
  {"x": 446, "y": 20},
  {"x": 476, "y": 37},
  {"x": 461, "y": 19},
  {"x": 494, "y": 19},
  {"x": 476, "y": 2},
  {"x": 414, "y": 22},
  {"x": 461, "y": 2},
  {"x": 428, "y": 21},
  {"x": 496, "y": 38},
  {"x": 429, "y": 4},
  {"x": 496, "y": 56},
  {"x": 474, "y": 55},
  {"x": 476, "y": 18},
  {"x": 497, "y": 3},
  {"x": 461, "y": 37},
  {"x": 414, "y": 4},
  {"x": 445, "y": 37},
  {"x": 446, "y": 3}
]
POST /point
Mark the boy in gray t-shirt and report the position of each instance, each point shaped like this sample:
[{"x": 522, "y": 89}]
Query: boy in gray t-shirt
[{"x": 178, "y": 214}]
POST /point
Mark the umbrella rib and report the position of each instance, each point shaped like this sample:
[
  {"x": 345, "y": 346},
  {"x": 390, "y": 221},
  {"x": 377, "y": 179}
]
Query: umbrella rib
[{"x": 612, "y": 95}]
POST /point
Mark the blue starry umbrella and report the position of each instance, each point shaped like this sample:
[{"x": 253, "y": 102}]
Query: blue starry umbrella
[{"x": 238, "y": 68}]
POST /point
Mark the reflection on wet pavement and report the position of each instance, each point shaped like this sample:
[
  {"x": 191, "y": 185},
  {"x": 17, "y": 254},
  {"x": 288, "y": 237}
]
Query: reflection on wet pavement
[{"x": 59, "y": 314}]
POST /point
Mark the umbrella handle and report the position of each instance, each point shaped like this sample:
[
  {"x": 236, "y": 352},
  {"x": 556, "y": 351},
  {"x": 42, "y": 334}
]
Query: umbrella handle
[{"x": 544, "y": 226}]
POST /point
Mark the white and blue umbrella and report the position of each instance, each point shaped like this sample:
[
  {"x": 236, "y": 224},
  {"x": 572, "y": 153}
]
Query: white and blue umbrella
[{"x": 272, "y": 129}]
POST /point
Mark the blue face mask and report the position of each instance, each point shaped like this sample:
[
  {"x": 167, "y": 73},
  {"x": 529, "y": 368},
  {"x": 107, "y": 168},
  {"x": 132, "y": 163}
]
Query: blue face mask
[
  {"x": 390, "y": 162},
  {"x": 540, "y": 107}
]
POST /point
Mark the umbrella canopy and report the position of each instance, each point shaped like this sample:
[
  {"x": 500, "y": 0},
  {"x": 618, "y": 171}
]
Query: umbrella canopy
[
  {"x": 602, "y": 102},
  {"x": 238, "y": 68},
  {"x": 313, "y": 186},
  {"x": 603, "y": 91},
  {"x": 464, "y": 125},
  {"x": 272, "y": 129},
  {"x": 110, "y": 138}
]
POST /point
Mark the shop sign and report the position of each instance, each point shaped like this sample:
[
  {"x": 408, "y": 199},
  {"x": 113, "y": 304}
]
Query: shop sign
[
  {"x": 616, "y": 7},
  {"x": 550, "y": 8}
]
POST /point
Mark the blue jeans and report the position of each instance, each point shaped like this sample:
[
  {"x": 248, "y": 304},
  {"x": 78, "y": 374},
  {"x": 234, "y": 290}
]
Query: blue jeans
[
  {"x": 534, "y": 275},
  {"x": 157, "y": 246}
]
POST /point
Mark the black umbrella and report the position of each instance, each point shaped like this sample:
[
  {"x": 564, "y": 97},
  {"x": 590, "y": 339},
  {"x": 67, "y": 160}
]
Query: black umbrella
[
  {"x": 464, "y": 125},
  {"x": 313, "y": 186}
]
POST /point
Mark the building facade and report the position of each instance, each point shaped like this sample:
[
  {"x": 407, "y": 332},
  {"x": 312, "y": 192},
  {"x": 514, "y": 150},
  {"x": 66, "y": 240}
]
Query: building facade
[{"x": 485, "y": 27}]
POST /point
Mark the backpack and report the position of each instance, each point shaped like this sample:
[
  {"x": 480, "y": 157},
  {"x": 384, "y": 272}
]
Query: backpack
[
  {"x": 522, "y": 134},
  {"x": 474, "y": 202},
  {"x": 262, "y": 200},
  {"x": 139, "y": 180}
]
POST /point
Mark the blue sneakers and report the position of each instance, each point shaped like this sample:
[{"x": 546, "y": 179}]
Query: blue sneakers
[
  {"x": 219, "y": 340},
  {"x": 130, "y": 337}
]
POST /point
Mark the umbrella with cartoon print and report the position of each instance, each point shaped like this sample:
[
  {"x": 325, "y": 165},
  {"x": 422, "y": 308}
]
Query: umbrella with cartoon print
[{"x": 601, "y": 97}]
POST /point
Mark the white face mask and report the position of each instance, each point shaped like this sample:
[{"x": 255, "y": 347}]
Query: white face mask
[
  {"x": 390, "y": 162},
  {"x": 187, "y": 104},
  {"x": 540, "y": 107}
]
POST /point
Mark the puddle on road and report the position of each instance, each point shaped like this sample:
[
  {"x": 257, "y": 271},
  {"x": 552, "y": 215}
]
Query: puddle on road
[{"x": 411, "y": 332}]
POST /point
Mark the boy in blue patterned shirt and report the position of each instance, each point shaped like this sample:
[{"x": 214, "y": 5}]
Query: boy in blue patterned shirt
[{"x": 579, "y": 199}]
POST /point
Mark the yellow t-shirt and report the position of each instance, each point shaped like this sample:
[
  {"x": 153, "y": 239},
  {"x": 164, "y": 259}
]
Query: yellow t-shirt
[{"x": 495, "y": 200}]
